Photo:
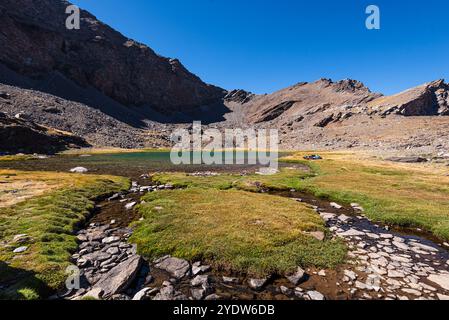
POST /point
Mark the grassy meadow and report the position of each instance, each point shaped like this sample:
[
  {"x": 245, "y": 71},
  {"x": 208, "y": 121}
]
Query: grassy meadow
[{"x": 48, "y": 217}]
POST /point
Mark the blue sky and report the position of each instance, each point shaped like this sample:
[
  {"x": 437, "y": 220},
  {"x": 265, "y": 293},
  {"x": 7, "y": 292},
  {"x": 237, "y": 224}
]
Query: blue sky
[{"x": 266, "y": 45}]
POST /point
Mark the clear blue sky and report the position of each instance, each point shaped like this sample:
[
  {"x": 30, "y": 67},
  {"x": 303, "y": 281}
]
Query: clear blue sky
[{"x": 265, "y": 45}]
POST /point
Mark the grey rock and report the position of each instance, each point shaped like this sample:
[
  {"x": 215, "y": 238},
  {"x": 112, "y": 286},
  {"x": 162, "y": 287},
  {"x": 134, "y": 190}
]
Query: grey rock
[
  {"x": 178, "y": 268},
  {"x": 230, "y": 280},
  {"x": 440, "y": 279},
  {"x": 315, "y": 295},
  {"x": 20, "y": 249},
  {"x": 335, "y": 205},
  {"x": 200, "y": 281},
  {"x": 21, "y": 238},
  {"x": 296, "y": 277},
  {"x": 257, "y": 284},
  {"x": 95, "y": 293},
  {"x": 131, "y": 205},
  {"x": 142, "y": 294},
  {"x": 198, "y": 294},
  {"x": 109, "y": 240},
  {"x": 119, "y": 278}
]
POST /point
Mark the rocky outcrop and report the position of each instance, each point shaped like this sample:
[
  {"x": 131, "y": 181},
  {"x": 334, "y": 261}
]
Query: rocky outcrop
[
  {"x": 18, "y": 135},
  {"x": 429, "y": 99},
  {"x": 239, "y": 96},
  {"x": 35, "y": 42}
]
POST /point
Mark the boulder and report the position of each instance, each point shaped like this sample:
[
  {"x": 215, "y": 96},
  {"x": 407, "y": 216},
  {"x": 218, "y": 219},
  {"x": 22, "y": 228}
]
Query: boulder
[
  {"x": 178, "y": 268},
  {"x": 119, "y": 278}
]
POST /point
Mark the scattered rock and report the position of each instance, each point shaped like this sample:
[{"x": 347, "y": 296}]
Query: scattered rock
[{"x": 79, "y": 170}]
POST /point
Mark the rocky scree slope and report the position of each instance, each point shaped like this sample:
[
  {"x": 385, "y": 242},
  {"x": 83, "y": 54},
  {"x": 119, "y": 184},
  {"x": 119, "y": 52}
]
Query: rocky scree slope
[{"x": 19, "y": 135}]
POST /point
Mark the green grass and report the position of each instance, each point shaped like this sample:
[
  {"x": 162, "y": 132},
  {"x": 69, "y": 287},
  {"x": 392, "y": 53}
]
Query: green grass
[
  {"x": 286, "y": 179},
  {"x": 234, "y": 230},
  {"x": 50, "y": 221},
  {"x": 398, "y": 194}
]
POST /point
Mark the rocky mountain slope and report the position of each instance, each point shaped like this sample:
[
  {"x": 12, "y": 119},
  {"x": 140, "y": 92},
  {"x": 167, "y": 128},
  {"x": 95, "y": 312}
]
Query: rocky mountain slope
[
  {"x": 345, "y": 114},
  {"x": 98, "y": 128},
  {"x": 24, "y": 136},
  {"x": 35, "y": 42}
]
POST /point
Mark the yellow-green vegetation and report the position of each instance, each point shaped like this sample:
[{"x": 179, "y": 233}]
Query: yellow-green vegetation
[
  {"x": 287, "y": 178},
  {"x": 235, "y": 230},
  {"x": 49, "y": 221},
  {"x": 409, "y": 195}
]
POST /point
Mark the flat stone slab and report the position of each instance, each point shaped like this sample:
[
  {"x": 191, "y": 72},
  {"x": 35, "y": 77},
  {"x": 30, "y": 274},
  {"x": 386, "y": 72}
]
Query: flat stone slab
[
  {"x": 178, "y": 268},
  {"x": 441, "y": 280},
  {"x": 120, "y": 277}
]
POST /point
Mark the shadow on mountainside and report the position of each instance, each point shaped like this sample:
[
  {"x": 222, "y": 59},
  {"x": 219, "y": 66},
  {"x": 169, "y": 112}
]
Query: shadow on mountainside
[{"x": 58, "y": 85}]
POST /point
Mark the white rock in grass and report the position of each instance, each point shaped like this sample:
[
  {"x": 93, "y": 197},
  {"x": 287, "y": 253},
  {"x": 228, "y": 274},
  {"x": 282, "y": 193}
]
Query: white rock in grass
[
  {"x": 79, "y": 170},
  {"x": 21, "y": 249},
  {"x": 336, "y": 205},
  {"x": 131, "y": 205}
]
